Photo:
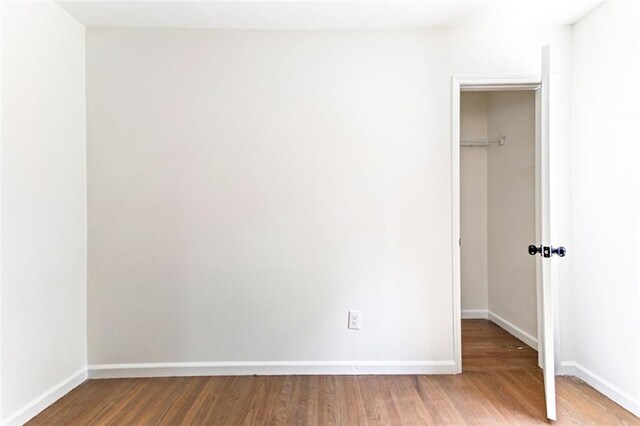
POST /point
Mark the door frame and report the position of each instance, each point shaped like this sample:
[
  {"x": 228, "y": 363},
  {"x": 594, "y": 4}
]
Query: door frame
[{"x": 489, "y": 83}]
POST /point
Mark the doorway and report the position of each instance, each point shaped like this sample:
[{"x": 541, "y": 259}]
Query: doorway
[
  {"x": 499, "y": 296},
  {"x": 545, "y": 280}
]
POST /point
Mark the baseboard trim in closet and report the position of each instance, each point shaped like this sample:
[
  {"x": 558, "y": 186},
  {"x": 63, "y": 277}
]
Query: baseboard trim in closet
[
  {"x": 514, "y": 330},
  {"x": 475, "y": 314}
]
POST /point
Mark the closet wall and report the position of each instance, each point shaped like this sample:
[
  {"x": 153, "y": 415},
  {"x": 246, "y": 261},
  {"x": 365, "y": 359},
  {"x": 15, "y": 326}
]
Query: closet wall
[
  {"x": 498, "y": 211},
  {"x": 473, "y": 205},
  {"x": 511, "y": 210}
]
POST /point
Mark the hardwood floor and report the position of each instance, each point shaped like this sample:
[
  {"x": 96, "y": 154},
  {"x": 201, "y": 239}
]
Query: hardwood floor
[
  {"x": 501, "y": 384},
  {"x": 487, "y": 347}
]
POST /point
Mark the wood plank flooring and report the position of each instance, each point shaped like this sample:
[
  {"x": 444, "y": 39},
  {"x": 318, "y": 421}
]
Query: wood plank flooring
[
  {"x": 501, "y": 384},
  {"x": 487, "y": 347}
]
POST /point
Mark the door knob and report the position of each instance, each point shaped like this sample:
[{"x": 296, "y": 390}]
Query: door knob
[{"x": 547, "y": 251}]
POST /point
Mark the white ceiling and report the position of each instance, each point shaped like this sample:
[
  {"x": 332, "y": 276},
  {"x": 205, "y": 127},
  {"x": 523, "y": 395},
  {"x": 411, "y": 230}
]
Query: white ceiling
[{"x": 328, "y": 14}]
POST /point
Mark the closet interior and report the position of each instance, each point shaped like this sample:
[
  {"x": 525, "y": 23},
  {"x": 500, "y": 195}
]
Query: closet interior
[{"x": 497, "y": 213}]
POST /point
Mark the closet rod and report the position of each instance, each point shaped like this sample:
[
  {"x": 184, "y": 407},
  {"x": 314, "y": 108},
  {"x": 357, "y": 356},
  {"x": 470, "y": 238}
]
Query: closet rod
[{"x": 482, "y": 142}]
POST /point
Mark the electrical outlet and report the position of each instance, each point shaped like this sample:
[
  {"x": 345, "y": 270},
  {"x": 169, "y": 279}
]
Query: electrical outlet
[{"x": 355, "y": 320}]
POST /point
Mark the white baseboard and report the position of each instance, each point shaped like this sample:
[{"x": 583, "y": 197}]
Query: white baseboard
[
  {"x": 36, "y": 406},
  {"x": 514, "y": 330},
  {"x": 474, "y": 314},
  {"x": 269, "y": 368},
  {"x": 617, "y": 395}
]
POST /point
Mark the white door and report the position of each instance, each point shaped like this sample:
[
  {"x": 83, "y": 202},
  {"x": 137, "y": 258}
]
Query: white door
[{"x": 543, "y": 248}]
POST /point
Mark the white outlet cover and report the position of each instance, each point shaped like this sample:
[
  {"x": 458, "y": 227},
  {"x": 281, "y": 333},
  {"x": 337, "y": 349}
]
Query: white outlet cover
[{"x": 355, "y": 320}]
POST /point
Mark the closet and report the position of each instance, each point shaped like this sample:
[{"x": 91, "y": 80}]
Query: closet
[{"x": 497, "y": 210}]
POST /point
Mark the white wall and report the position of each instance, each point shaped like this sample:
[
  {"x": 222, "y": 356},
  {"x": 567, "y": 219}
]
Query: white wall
[
  {"x": 605, "y": 202},
  {"x": 474, "y": 291},
  {"x": 247, "y": 188},
  {"x": 43, "y": 203},
  {"x": 511, "y": 209}
]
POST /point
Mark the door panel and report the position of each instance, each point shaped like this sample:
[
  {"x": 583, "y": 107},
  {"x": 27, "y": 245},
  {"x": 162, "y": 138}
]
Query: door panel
[{"x": 544, "y": 264}]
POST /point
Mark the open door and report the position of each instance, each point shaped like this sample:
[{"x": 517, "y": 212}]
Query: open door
[
  {"x": 543, "y": 247},
  {"x": 548, "y": 354}
]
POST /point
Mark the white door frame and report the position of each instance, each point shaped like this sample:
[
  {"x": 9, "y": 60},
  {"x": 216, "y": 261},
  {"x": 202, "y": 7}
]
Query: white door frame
[{"x": 485, "y": 83}]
